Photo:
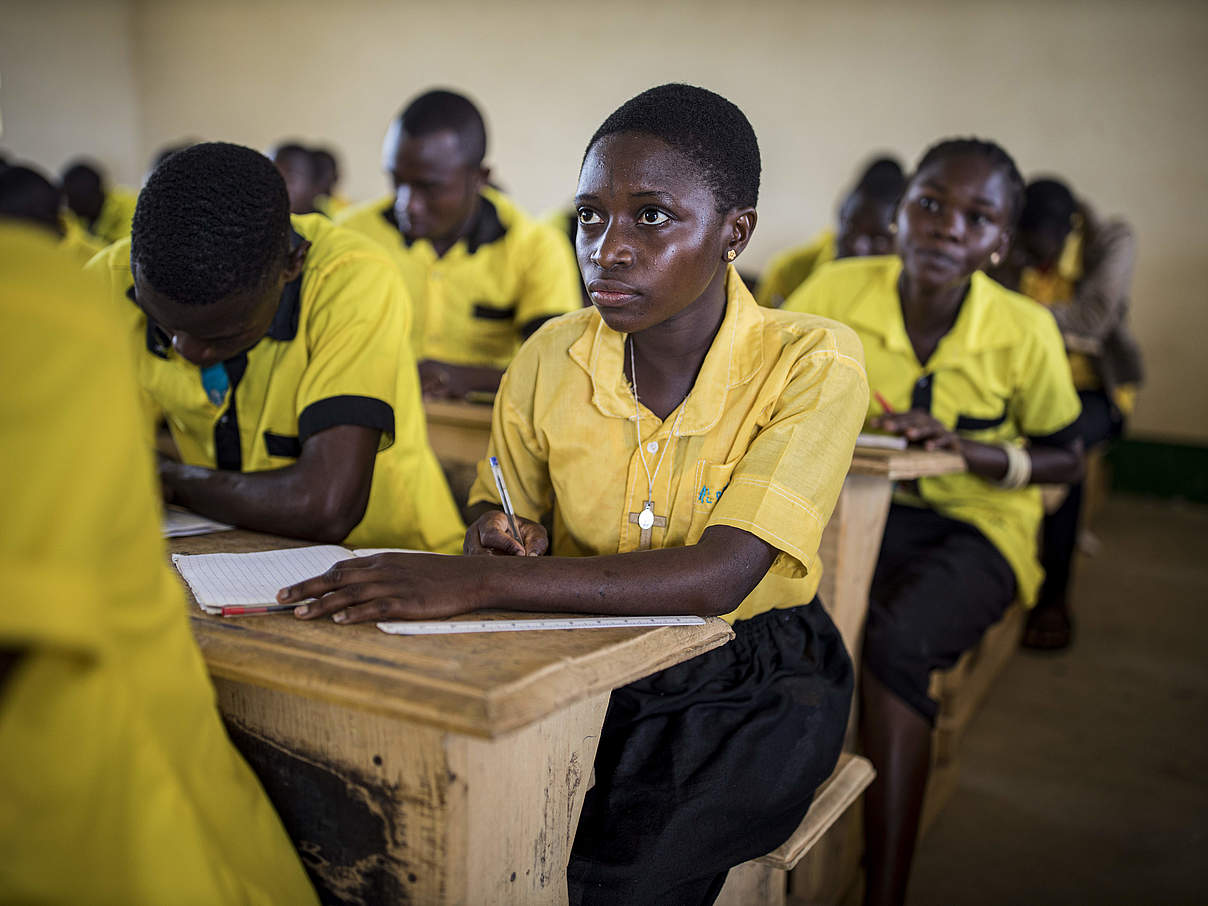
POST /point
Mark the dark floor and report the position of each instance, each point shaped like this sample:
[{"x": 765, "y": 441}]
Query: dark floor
[{"x": 1084, "y": 779}]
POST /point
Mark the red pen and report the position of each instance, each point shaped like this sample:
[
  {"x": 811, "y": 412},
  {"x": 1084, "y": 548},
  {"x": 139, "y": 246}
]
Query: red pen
[
  {"x": 889, "y": 410},
  {"x": 244, "y": 611}
]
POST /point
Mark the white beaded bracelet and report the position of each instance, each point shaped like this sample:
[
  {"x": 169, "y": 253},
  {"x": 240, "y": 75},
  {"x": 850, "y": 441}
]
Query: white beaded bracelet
[{"x": 1019, "y": 468}]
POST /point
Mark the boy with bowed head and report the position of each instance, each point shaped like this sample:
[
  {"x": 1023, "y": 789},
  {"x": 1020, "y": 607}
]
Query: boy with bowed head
[
  {"x": 970, "y": 367},
  {"x": 274, "y": 347},
  {"x": 688, "y": 446}
]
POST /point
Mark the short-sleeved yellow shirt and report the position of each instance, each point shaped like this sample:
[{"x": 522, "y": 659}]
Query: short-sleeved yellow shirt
[
  {"x": 763, "y": 445},
  {"x": 475, "y": 304},
  {"x": 118, "y": 784},
  {"x": 114, "y": 220},
  {"x": 335, "y": 354},
  {"x": 77, "y": 241},
  {"x": 999, "y": 375},
  {"x": 790, "y": 269}
]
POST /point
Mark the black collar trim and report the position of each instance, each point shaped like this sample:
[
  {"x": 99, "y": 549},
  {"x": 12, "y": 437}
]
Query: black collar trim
[{"x": 486, "y": 228}]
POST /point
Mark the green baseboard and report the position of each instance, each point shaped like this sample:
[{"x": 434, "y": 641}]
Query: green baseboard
[{"x": 1159, "y": 469}]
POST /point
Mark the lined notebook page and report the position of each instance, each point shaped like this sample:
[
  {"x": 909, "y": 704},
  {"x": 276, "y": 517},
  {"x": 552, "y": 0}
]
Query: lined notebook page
[{"x": 222, "y": 580}]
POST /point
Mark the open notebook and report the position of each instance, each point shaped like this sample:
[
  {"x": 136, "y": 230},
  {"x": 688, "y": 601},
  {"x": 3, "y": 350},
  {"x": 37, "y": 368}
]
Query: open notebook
[{"x": 223, "y": 580}]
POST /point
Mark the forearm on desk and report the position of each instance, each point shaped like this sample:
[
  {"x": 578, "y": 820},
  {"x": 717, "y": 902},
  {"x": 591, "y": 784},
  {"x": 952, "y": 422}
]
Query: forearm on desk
[
  {"x": 321, "y": 497},
  {"x": 709, "y": 578},
  {"x": 1050, "y": 464}
]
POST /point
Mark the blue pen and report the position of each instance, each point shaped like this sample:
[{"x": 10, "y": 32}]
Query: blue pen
[{"x": 503, "y": 496}]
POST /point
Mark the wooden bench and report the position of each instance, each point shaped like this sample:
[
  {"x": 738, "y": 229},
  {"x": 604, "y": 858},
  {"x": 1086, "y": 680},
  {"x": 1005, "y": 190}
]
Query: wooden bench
[{"x": 764, "y": 881}]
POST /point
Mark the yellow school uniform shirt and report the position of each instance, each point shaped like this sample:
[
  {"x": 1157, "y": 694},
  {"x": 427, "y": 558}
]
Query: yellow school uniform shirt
[
  {"x": 790, "y": 269},
  {"x": 763, "y": 444},
  {"x": 335, "y": 355},
  {"x": 999, "y": 375},
  {"x": 474, "y": 304},
  {"x": 78, "y": 242},
  {"x": 114, "y": 220},
  {"x": 118, "y": 784}
]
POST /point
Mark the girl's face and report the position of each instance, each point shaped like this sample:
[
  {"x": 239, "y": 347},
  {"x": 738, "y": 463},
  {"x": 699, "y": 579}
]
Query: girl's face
[
  {"x": 955, "y": 214},
  {"x": 651, "y": 240}
]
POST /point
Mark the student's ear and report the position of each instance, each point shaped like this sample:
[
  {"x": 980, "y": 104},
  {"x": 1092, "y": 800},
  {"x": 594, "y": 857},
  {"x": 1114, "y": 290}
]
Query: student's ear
[
  {"x": 739, "y": 225},
  {"x": 295, "y": 259},
  {"x": 482, "y": 177},
  {"x": 1003, "y": 249}
]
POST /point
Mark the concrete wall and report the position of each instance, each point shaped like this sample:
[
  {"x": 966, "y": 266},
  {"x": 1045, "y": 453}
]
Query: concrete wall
[{"x": 1107, "y": 93}]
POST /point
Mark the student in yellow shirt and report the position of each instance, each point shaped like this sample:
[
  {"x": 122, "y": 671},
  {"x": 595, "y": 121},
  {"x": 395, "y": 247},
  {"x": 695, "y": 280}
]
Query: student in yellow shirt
[
  {"x": 26, "y": 194},
  {"x": 326, "y": 169},
  {"x": 483, "y": 276},
  {"x": 296, "y": 165},
  {"x": 1080, "y": 268},
  {"x": 865, "y": 228},
  {"x": 970, "y": 367},
  {"x": 275, "y": 348},
  {"x": 118, "y": 784},
  {"x": 689, "y": 447},
  {"x": 104, "y": 211}
]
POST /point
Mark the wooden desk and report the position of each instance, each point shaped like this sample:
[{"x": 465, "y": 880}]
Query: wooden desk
[
  {"x": 458, "y": 432},
  {"x": 430, "y": 769}
]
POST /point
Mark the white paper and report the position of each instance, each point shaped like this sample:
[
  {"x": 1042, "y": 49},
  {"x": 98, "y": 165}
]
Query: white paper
[
  {"x": 224, "y": 580},
  {"x": 182, "y": 524},
  {"x": 881, "y": 441}
]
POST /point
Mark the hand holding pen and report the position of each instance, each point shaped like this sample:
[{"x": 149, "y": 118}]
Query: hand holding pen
[{"x": 504, "y": 533}]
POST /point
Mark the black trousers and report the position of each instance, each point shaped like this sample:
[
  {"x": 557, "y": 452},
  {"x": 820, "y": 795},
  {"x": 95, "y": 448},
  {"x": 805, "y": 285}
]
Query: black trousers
[
  {"x": 1100, "y": 421},
  {"x": 712, "y": 762},
  {"x": 938, "y": 586}
]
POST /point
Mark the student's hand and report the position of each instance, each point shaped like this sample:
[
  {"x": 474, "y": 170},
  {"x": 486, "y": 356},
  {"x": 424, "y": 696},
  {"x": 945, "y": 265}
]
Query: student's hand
[
  {"x": 388, "y": 587},
  {"x": 919, "y": 427},
  {"x": 436, "y": 380},
  {"x": 491, "y": 535}
]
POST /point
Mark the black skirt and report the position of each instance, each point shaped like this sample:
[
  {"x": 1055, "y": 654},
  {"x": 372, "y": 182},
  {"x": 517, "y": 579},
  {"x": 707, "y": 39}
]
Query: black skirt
[
  {"x": 938, "y": 586},
  {"x": 712, "y": 762}
]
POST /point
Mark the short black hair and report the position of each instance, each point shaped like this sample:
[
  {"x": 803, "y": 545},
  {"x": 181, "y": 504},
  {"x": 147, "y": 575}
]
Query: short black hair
[
  {"x": 293, "y": 149},
  {"x": 325, "y": 160},
  {"x": 703, "y": 126},
  {"x": 999, "y": 158},
  {"x": 80, "y": 171},
  {"x": 211, "y": 221},
  {"x": 881, "y": 181},
  {"x": 1047, "y": 202},
  {"x": 28, "y": 195},
  {"x": 439, "y": 110},
  {"x": 168, "y": 150}
]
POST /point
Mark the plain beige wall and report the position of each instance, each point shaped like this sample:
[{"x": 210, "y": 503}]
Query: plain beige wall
[
  {"x": 1107, "y": 93},
  {"x": 67, "y": 83}
]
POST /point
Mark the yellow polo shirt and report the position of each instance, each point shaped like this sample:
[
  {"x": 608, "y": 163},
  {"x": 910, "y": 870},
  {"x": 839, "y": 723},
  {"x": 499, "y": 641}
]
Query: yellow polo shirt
[
  {"x": 1000, "y": 374},
  {"x": 335, "y": 355},
  {"x": 118, "y": 784},
  {"x": 763, "y": 445},
  {"x": 790, "y": 269},
  {"x": 78, "y": 242},
  {"x": 475, "y": 304},
  {"x": 114, "y": 220}
]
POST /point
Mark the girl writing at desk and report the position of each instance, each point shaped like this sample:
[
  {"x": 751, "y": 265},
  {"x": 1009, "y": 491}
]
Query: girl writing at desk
[
  {"x": 689, "y": 447},
  {"x": 962, "y": 364}
]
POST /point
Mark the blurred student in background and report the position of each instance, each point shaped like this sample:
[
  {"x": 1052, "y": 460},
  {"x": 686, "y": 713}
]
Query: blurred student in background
[
  {"x": 1081, "y": 268},
  {"x": 482, "y": 274},
  {"x": 325, "y": 169},
  {"x": 27, "y": 195},
  {"x": 296, "y": 166},
  {"x": 104, "y": 211},
  {"x": 865, "y": 228}
]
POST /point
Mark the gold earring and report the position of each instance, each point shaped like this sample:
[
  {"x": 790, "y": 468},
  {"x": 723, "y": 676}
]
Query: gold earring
[
  {"x": 893, "y": 229},
  {"x": 731, "y": 255},
  {"x": 996, "y": 259}
]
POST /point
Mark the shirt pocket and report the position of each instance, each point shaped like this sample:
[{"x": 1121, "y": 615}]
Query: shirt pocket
[
  {"x": 282, "y": 446},
  {"x": 712, "y": 480},
  {"x": 492, "y": 330}
]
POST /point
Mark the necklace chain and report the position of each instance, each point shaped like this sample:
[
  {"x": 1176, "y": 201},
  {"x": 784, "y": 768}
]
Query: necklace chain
[{"x": 637, "y": 412}]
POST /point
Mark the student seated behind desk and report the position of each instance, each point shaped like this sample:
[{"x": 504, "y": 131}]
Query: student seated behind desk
[
  {"x": 118, "y": 784},
  {"x": 275, "y": 349},
  {"x": 689, "y": 447},
  {"x": 101, "y": 210},
  {"x": 482, "y": 275},
  {"x": 969, "y": 367},
  {"x": 865, "y": 228}
]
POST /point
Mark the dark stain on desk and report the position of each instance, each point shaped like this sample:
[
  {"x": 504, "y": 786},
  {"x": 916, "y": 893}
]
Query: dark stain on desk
[{"x": 342, "y": 821}]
